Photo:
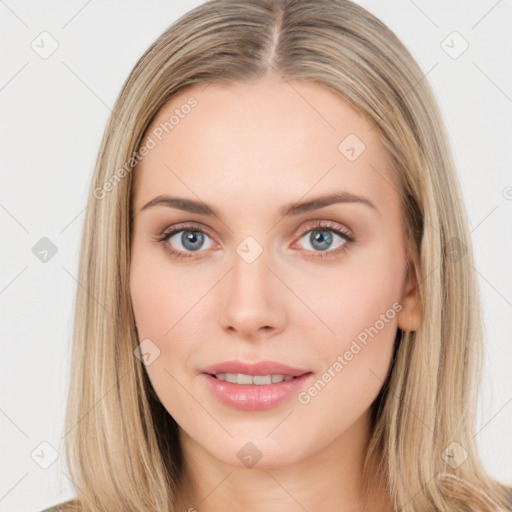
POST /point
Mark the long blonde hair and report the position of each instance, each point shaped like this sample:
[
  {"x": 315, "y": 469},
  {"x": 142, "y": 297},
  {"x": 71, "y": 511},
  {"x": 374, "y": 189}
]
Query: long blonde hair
[{"x": 121, "y": 445}]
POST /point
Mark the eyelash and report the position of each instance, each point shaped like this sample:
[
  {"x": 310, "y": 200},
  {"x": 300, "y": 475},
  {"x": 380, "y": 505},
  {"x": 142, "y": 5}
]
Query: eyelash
[{"x": 321, "y": 226}]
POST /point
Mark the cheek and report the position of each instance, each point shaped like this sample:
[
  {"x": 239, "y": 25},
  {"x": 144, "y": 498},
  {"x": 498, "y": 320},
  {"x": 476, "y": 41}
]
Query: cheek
[
  {"x": 360, "y": 305},
  {"x": 157, "y": 311},
  {"x": 166, "y": 303},
  {"x": 355, "y": 297},
  {"x": 361, "y": 310},
  {"x": 151, "y": 306},
  {"x": 161, "y": 295}
]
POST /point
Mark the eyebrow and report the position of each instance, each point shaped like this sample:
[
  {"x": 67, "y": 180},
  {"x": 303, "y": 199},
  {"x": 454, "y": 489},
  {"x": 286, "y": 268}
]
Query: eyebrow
[{"x": 192, "y": 206}]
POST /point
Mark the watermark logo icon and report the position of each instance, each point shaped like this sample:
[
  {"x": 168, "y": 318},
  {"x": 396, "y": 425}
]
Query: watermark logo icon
[
  {"x": 351, "y": 147},
  {"x": 249, "y": 454},
  {"x": 45, "y": 45},
  {"x": 44, "y": 250},
  {"x": 147, "y": 352},
  {"x": 455, "y": 249},
  {"x": 454, "y": 45},
  {"x": 249, "y": 249},
  {"x": 44, "y": 455},
  {"x": 454, "y": 454}
]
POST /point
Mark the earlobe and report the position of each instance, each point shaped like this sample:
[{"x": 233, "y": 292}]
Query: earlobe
[{"x": 409, "y": 317}]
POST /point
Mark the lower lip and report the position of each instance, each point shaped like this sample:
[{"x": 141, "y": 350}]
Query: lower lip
[{"x": 251, "y": 397}]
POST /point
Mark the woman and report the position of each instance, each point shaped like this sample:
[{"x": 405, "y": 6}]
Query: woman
[{"x": 278, "y": 307}]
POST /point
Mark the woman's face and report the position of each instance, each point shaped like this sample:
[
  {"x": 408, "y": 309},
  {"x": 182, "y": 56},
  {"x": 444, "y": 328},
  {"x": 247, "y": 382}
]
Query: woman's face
[{"x": 313, "y": 289}]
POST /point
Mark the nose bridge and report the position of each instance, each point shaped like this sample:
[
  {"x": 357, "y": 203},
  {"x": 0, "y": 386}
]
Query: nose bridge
[{"x": 252, "y": 295}]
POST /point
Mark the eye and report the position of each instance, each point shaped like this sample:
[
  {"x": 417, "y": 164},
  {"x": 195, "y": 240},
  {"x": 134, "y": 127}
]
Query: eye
[
  {"x": 322, "y": 238},
  {"x": 183, "y": 241}
]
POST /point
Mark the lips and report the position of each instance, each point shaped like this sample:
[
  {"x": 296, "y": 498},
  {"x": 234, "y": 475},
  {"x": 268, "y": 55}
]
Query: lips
[
  {"x": 260, "y": 368},
  {"x": 246, "y": 386}
]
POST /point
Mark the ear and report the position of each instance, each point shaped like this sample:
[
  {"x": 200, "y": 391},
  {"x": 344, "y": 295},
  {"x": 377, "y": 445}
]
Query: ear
[{"x": 409, "y": 317}]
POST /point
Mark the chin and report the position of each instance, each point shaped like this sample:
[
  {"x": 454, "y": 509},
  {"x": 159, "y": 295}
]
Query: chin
[{"x": 259, "y": 451}]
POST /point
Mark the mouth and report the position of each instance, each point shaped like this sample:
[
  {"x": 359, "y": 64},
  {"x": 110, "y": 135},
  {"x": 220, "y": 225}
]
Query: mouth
[{"x": 256, "y": 386}]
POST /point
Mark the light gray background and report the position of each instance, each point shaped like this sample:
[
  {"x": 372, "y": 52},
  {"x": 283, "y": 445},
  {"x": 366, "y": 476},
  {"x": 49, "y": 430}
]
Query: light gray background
[{"x": 53, "y": 113}]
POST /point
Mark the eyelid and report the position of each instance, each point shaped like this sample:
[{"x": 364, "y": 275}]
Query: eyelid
[
  {"x": 316, "y": 224},
  {"x": 184, "y": 226}
]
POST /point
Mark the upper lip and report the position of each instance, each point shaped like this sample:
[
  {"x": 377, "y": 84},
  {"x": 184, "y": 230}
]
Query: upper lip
[{"x": 259, "y": 368}]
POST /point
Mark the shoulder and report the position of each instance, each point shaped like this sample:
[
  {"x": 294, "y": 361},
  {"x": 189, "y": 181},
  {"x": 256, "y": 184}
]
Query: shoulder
[{"x": 65, "y": 506}]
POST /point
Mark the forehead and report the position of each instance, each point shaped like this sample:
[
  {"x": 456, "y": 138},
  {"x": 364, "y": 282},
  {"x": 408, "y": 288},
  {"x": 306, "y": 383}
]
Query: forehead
[{"x": 264, "y": 138}]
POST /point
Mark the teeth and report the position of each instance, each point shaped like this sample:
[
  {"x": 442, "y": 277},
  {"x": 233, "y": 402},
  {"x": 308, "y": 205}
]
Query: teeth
[{"x": 260, "y": 380}]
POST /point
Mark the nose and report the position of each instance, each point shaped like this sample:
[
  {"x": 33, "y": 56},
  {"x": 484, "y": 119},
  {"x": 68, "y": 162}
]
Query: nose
[{"x": 252, "y": 302}]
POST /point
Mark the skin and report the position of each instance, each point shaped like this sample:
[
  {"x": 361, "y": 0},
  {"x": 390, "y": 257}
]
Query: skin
[{"x": 247, "y": 151}]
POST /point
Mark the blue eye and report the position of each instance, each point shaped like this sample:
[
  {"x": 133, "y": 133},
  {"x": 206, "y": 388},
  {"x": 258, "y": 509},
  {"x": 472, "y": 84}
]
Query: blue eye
[
  {"x": 192, "y": 239},
  {"x": 321, "y": 239}
]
